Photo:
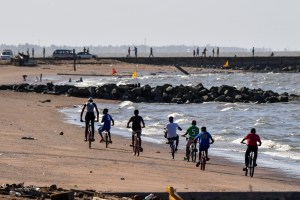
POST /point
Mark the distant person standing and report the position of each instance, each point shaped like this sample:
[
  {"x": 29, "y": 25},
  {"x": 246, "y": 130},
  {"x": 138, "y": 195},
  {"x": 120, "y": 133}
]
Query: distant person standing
[
  {"x": 44, "y": 52},
  {"x": 194, "y": 53},
  {"x": 84, "y": 49},
  {"x": 88, "y": 50},
  {"x": 204, "y": 52},
  {"x": 128, "y": 54},
  {"x": 213, "y": 51},
  {"x": 272, "y": 54},
  {"x": 28, "y": 52},
  {"x": 135, "y": 51},
  {"x": 151, "y": 52},
  {"x": 197, "y": 51},
  {"x": 253, "y": 51},
  {"x": 32, "y": 52},
  {"x": 218, "y": 51}
]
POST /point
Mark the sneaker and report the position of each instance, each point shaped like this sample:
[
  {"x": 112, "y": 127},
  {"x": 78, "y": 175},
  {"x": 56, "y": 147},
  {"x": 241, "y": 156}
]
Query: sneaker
[
  {"x": 244, "y": 168},
  {"x": 101, "y": 140},
  {"x": 131, "y": 145},
  {"x": 110, "y": 142},
  {"x": 167, "y": 142},
  {"x": 141, "y": 149},
  {"x": 198, "y": 163},
  {"x": 185, "y": 158},
  {"x": 85, "y": 139}
]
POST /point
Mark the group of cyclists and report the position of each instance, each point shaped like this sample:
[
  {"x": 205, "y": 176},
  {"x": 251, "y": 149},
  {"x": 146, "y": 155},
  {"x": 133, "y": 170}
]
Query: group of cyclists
[{"x": 195, "y": 135}]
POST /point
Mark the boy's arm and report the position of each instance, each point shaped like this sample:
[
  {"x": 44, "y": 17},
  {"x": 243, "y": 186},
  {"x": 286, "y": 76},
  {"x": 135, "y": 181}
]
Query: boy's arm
[
  {"x": 82, "y": 112},
  {"x": 112, "y": 121},
  {"x": 143, "y": 123},
  {"x": 129, "y": 122},
  {"x": 179, "y": 128},
  {"x": 97, "y": 112}
]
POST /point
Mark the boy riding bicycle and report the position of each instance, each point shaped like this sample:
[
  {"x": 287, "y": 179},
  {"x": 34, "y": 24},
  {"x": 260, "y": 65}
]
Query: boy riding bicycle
[
  {"x": 171, "y": 131},
  {"x": 204, "y": 142},
  {"x": 89, "y": 116},
  {"x": 136, "y": 127},
  {"x": 252, "y": 140},
  {"x": 107, "y": 120},
  {"x": 192, "y": 131}
]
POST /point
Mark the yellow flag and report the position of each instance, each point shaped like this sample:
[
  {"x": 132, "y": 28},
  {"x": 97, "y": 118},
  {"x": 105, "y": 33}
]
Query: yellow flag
[
  {"x": 226, "y": 64},
  {"x": 134, "y": 75}
]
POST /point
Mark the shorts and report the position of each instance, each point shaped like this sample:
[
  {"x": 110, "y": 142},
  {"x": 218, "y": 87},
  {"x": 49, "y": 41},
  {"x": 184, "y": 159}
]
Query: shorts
[
  {"x": 203, "y": 148},
  {"x": 103, "y": 128},
  {"x": 139, "y": 132},
  {"x": 189, "y": 142},
  {"x": 174, "y": 138}
]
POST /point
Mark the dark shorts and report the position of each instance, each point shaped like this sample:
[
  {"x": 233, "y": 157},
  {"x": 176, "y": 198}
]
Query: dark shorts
[
  {"x": 203, "y": 148},
  {"x": 103, "y": 128},
  {"x": 139, "y": 133}
]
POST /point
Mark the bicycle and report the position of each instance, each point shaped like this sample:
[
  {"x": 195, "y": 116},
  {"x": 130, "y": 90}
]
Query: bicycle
[
  {"x": 192, "y": 150},
  {"x": 89, "y": 136},
  {"x": 251, "y": 164},
  {"x": 105, "y": 136},
  {"x": 202, "y": 160},
  {"x": 172, "y": 146},
  {"x": 136, "y": 145}
]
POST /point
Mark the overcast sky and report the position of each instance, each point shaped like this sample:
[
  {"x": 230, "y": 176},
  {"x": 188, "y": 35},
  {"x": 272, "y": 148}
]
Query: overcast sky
[{"x": 231, "y": 23}]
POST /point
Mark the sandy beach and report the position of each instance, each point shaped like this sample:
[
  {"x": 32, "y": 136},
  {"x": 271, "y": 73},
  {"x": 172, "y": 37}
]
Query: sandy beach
[{"x": 67, "y": 161}]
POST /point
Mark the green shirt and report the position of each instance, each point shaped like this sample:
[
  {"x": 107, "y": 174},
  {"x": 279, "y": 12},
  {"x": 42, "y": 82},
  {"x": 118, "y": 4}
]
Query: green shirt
[{"x": 192, "y": 132}]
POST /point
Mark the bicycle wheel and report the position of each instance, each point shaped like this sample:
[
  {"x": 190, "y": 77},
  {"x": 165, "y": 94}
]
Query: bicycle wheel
[
  {"x": 251, "y": 163},
  {"x": 137, "y": 146},
  {"x": 172, "y": 148},
  {"x": 203, "y": 161},
  {"x": 90, "y": 138},
  {"x": 106, "y": 139},
  {"x": 193, "y": 152}
]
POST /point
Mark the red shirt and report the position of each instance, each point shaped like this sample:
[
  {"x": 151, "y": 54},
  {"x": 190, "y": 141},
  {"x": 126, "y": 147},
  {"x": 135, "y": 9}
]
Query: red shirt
[{"x": 252, "y": 139}]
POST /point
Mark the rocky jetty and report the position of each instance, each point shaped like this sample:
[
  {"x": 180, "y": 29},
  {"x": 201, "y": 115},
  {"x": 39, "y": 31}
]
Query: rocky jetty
[{"x": 164, "y": 94}]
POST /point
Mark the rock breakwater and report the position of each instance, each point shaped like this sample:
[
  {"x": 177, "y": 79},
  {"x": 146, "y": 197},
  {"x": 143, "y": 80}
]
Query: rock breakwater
[{"x": 163, "y": 94}]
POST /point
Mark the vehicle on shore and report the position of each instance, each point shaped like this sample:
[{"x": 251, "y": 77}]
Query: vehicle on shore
[
  {"x": 86, "y": 55},
  {"x": 63, "y": 54},
  {"x": 7, "y": 54}
]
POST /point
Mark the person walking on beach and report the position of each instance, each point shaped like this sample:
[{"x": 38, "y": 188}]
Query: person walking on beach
[
  {"x": 252, "y": 140},
  {"x": 128, "y": 54},
  {"x": 192, "y": 131},
  {"x": 218, "y": 51},
  {"x": 171, "y": 131},
  {"x": 151, "y": 52},
  {"x": 137, "y": 125},
  {"x": 204, "y": 143},
  {"x": 213, "y": 51},
  {"x": 90, "y": 116},
  {"x": 194, "y": 53},
  {"x": 107, "y": 120},
  {"x": 197, "y": 51},
  {"x": 44, "y": 52},
  {"x": 253, "y": 51},
  {"x": 135, "y": 51}
]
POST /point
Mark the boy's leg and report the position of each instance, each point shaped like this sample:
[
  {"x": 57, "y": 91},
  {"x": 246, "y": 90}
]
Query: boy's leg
[
  {"x": 246, "y": 157},
  {"x": 93, "y": 128},
  {"x": 109, "y": 135},
  {"x": 86, "y": 128},
  {"x": 177, "y": 142},
  {"x": 255, "y": 155}
]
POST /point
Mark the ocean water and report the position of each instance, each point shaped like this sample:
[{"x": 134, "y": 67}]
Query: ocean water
[{"x": 277, "y": 124}]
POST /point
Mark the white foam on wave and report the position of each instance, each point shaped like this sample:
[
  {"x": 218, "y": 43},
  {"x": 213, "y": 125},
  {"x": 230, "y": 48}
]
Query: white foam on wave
[
  {"x": 226, "y": 109},
  {"x": 175, "y": 114},
  {"x": 125, "y": 103},
  {"x": 269, "y": 144},
  {"x": 291, "y": 155}
]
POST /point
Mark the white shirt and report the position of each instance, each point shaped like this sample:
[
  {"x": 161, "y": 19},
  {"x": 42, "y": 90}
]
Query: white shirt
[{"x": 171, "y": 130}]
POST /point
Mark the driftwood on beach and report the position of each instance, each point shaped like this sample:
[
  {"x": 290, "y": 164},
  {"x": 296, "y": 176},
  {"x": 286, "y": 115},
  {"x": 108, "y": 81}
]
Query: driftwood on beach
[{"x": 165, "y": 93}]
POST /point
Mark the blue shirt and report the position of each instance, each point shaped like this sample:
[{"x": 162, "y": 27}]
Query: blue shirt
[
  {"x": 106, "y": 119},
  {"x": 203, "y": 139}
]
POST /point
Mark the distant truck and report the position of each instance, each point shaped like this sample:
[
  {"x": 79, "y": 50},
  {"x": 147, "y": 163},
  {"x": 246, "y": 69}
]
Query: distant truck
[{"x": 7, "y": 54}]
